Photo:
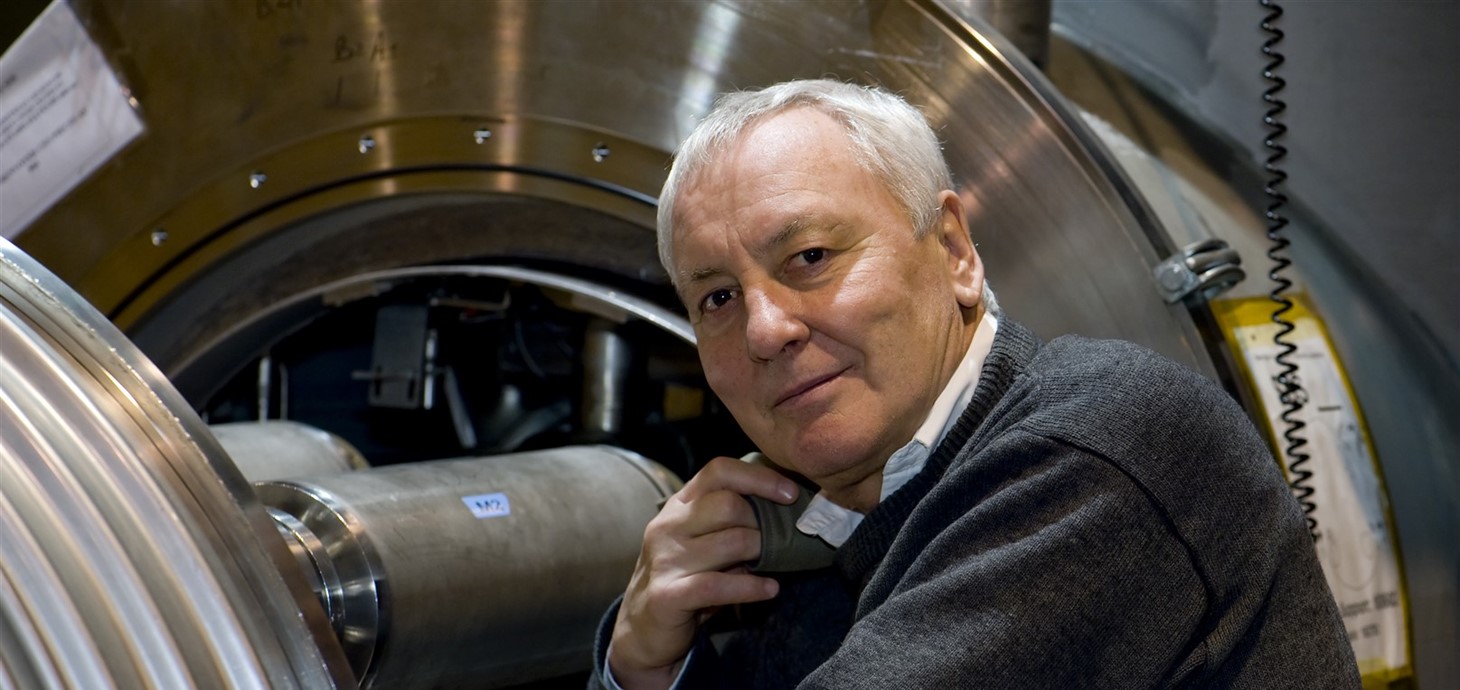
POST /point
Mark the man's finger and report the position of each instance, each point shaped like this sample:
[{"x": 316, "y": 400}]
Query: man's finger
[
  {"x": 712, "y": 512},
  {"x": 729, "y": 474},
  {"x": 710, "y": 589},
  {"x": 724, "y": 549}
]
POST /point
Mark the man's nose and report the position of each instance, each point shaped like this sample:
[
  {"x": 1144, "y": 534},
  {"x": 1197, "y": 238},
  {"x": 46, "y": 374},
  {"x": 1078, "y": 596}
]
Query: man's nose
[{"x": 773, "y": 322}]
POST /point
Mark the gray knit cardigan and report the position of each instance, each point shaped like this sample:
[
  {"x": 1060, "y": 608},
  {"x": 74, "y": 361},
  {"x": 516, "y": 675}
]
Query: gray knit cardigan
[{"x": 1098, "y": 517}]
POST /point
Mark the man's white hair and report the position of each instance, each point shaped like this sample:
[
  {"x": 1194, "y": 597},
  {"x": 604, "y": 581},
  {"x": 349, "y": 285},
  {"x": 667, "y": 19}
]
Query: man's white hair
[{"x": 890, "y": 139}]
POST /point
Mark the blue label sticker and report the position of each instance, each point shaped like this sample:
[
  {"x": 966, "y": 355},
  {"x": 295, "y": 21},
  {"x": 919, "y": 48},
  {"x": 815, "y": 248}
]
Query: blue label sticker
[{"x": 488, "y": 505}]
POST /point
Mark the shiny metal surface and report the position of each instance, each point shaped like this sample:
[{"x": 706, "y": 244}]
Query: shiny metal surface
[
  {"x": 333, "y": 555},
  {"x": 606, "y": 359},
  {"x": 575, "y": 122},
  {"x": 279, "y": 449},
  {"x": 1024, "y": 22},
  {"x": 433, "y": 591},
  {"x": 129, "y": 546},
  {"x": 1200, "y": 270},
  {"x": 318, "y": 569}
]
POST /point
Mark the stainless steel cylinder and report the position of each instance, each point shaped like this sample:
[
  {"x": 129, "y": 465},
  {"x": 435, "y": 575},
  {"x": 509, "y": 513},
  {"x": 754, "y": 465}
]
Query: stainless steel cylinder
[
  {"x": 471, "y": 573},
  {"x": 132, "y": 554},
  {"x": 606, "y": 360},
  {"x": 280, "y": 449}
]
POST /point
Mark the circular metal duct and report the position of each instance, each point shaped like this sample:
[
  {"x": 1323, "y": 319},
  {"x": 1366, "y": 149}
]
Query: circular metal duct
[
  {"x": 132, "y": 553},
  {"x": 351, "y": 137}
]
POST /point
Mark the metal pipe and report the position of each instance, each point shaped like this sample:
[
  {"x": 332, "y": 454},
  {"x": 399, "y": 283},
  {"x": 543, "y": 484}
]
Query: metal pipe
[
  {"x": 471, "y": 573},
  {"x": 265, "y": 385},
  {"x": 606, "y": 361},
  {"x": 279, "y": 449}
]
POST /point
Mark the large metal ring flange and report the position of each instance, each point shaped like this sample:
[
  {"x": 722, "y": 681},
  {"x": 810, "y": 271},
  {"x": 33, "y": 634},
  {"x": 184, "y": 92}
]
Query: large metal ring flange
[
  {"x": 549, "y": 160},
  {"x": 132, "y": 553}
]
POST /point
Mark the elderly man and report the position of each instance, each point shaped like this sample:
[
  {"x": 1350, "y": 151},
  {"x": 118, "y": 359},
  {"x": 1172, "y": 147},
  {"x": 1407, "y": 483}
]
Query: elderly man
[{"x": 1005, "y": 513}]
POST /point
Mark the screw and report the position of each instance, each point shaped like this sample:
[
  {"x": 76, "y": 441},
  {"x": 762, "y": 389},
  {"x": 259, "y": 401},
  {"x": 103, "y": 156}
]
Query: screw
[
  {"x": 600, "y": 152},
  {"x": 158, "y": 237},
  {"x": 367, "y": 142},
  {"x": 256, "y": 179},
  {"x": 481, "y": 135},
  {"x": 1171, "y": 277}
]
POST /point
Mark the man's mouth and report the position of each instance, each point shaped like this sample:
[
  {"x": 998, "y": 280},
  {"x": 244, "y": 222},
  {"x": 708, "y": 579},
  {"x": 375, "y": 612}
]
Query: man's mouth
[{"x": 807, "y": 386}]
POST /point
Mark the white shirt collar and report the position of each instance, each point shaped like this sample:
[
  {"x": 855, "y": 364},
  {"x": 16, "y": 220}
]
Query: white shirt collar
[{"x": 835, "y": 524}]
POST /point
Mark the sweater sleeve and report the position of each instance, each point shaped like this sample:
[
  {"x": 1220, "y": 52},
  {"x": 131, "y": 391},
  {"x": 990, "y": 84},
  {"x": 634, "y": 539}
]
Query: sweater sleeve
[
  {"x": 602, "y": 677},
  {"x": 771, "y": 644},
  {"x": 695, "y": 671},
  {"x": 1038, "y": 565}
]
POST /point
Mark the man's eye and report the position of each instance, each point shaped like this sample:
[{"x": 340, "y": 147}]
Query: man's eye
[
  {"x": 811, "y": 256},
  {"x": 717, "y": 299}
]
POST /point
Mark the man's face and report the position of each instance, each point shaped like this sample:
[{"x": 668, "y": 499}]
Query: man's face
[{"x": 824, "y": 325}]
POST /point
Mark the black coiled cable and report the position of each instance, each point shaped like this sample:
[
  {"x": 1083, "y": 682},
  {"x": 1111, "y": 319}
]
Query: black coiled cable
[{"x": 1290, "y": 387}]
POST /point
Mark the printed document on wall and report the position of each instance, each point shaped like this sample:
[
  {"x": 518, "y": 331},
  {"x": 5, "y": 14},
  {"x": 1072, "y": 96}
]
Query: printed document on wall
[{"x": 63, "y": 114}]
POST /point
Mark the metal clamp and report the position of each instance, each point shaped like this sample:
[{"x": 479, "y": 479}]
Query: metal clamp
[{"x": 1200, "y": 270}]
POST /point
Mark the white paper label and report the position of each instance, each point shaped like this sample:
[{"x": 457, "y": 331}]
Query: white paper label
[
  {"x": 488, "y": 505},
  {"x": 62, "y": 115},
  {"x": 1354, "y": 545}
]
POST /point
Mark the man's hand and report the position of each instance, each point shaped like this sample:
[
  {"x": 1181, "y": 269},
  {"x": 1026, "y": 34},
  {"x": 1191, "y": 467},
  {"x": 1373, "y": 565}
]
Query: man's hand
[{"x": 692, "y": 562}]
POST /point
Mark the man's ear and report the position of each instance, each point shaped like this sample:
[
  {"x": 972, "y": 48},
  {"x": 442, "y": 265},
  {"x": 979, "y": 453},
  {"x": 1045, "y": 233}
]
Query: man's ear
[{"x": 964, "y": 265}]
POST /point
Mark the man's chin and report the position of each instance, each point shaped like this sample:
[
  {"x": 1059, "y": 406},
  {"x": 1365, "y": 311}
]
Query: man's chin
[{"x": 832, "y": 463}]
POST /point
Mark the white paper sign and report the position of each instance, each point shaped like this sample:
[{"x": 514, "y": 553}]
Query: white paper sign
[
  {"x": 62, "y": 115},
  {"x": 1354, "y": 545}
]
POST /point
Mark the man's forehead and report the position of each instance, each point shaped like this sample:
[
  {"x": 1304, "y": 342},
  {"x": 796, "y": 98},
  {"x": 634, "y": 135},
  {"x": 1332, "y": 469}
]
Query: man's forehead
[
  {"x": 794, "y": 139},
  {"x": 782, "y": 137},
  {"x": 798, "y": 141},
  {"x": 708, "y": 265},
  {"x": 774, "y": 138}
]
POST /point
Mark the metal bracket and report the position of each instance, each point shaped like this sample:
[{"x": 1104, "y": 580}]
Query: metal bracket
[
  {"x": 404, "y": 370},
  {"x": 1200, "y": 271},
  {"x": 403, "y": 344}
]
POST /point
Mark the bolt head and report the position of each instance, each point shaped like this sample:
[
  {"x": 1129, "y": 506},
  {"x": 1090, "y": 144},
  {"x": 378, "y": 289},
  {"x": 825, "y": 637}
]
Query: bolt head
[{"x": 1171, "y": 277}]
